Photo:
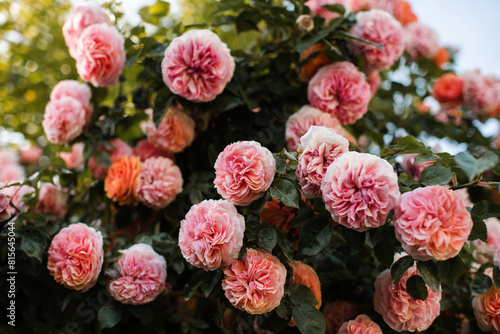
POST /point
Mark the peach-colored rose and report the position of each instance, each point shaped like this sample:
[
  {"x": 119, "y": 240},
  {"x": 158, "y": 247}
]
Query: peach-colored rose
[
  {"x": 211, "y": 235},
  {"x": 145, "y": 150},
  {"x": 309, "y": 69},
  {"x": 341, "y": 90},
  {"x": 420, "y": 41},
  {"x": 319, "y": 148},
  {"x": 175, "y": 131},
  {"x": 411, "y": 168},
  {"x": 336, "y": 313},
  {"x": 63, "y": 120},
  {"x": 399, "y": 310},
  {"x": 277, "y": 214},
  {"x": 361, "y": 5},
  {"x": 299, "y": 123},
  {"x": 432, "y": 223},
  {"x": 197, "y": 65},
  {"x": 75, "y": 257},
  {"x": 487, "y": 310},
  {"x": 143, "y": 274},
  {"x": 160, "y": 182},
  {"x": 77, "y": 90},
  {"x": 306, "y": 275},
  {"x": 79, "y": 20},
  {"x": 380, "y": 27},
  {"x": 360, "y": 190},
  {"x": 31, "y": 155},
  {"x": 361, "y": 325},
  {"x": 123, "y": 182},
  {"x": 256, "y": 284},
  {"x": 4, "y": 207},
  {"x": 485, "y": 251},
  {"x": 100, "y": 55},
  {"x": 316, "y": 7},
  {"x": 52, "y": 199},
  {"x": 122, "y": 149},
  {"x": 442, "y": 57},
  {"x": 481, "y": 92},
  {"x": 243, "y": 172},
  {"x": 403, "y": 13},
  {"x": 73, "y": 159},
  {"x": 447, "y": 90}
]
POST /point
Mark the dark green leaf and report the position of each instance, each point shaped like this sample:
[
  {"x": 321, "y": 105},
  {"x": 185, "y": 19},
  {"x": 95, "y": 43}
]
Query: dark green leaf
[
  {"x": 496, "y": 276},
  {"x": 355, "y": 239},
  {"x": 451, "y": 269},
  {"x": 308, "y": 319},
  {"x": 472, "y": 166},
  {"x": 247, "y": 20},
  {"x": 480, "y": 284},
  {"x": 416, "y": 287},
  {"x": 335, "y": 8},
  {"x": 267, "y": 238},
  {"x": 384, "y": 253},
  {"x": 303, "y": 217},
  {"x": 479, "y": 212},
  {"x": 400, "y": 267},
  {"x": 436, "y": 175},
  {"x": 286, "y": 192},
  {"x": 430, "y": 273},
  {"x": 344, "y": 35},
  {"x": 280, "y": 159},
  {"x": 286, "y": 247},
  {"x": 33, "y": 243},
  {"x": 302, "y": 295},
  {"x": 210, "y": 280},
  {"x": 315, "y": 236},
  {"x": 109, "y": 315},
  {"x": 304, "y": 44},
  {"x": 284, "y": 310},
  {"x": 103, "y": 159}
]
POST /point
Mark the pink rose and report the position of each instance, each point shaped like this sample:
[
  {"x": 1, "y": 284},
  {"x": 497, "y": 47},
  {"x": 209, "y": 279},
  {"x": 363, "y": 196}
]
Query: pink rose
[
  {"x": 411, "y": 168},
  {"x": 420, "y": 41},
  {"x": 374, "y": 81},
  {"x": 143, "y": 274},
  {"x": 380, "y": 27},
  {"x": 4, "y": 207},
  {"x": 399, "y": 310},
  {"x": 73, "y": 159},
  {"x": 11, "y": 173},
  {"x": 8, "y": 157},
  {"x": 211, "y": 235},
  {"x": 15, "y": 195},
  {"x": 160, "y": 182},
  {"x": 487, "y": 310},
  {"x": 31, "y": 155},
  {"x": 432, "y": 223},
  {"x": 79, "y": 20},
  {"x": 145, "y": 150},
  {"x": 360, "y": 5},
  {"x": 360, "y": 190},
  {"x": 175, "y": 131},
  {"x": 299, "y": 123},
  {"x": 316, "y": 7},
  {"x": 197, "y": 65},
  {"x": 320, "y": 146},
  {"x": 361, "y": 325},
  {"x": 100, "y": 55},
  {"x": 75, "y": 257},
  {"x": 485, "y": 251},
  {"x": 256, "y": 284},
  {"x": 122, "y": 149},
  {"x": 341, "y": 90},
  {"x": 52, "y": 200},
  {"x": 481, "y": 93},
  {"x": 336, "y": 313},
  {"x": 63, "y": 120},
  {"x": 243, "y": 172},
  {"x": 77, "y": 90}
]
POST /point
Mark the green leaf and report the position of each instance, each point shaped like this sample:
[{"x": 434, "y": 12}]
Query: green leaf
[
  {"x": 303, "y": 217},
  {"x": 416, "y": 287},
  {"x": 280, "y": 159},
  {"x": 302, "y": 295},
  {"x": 267, "y": 238},
  {"x": 315, "y": 236},
  {"x": 306, "y": 43},
  {"x": 479, "y": 212},
  {"x": 496, "y": 276},
  {"x": 33, "y": 243},
  {"x": 335, "y": 8},
  {"x": 400, "y": 267},
  {"x": 209, "y": 281},
  {"x": 344, "y": 35},
  {"x": 472, "y": 166},
  {"x": 436, "y": 175},
  {"x": 480, "y": 284},
  {"x": 355, "y": 239},
  {"x": 308, "y": 319},
  {"x": 285, "y": 191},
  {"x": 284, "y": 310},
  {"x": 451, "y": 269},
  {"x": 103, "y": 159},
  {"x": 247, "y": 20},
  {"x": 152, "y": 14},
  {"x": 286, "y": 246},
  {"x": 109, "y": 315},
  {"x": 430, "y": 273},
  {"x": 384, "y": 253}
]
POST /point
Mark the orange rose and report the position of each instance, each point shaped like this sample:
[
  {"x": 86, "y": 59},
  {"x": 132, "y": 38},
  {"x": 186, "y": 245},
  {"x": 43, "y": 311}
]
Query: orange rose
[
  {"x": 122, "y": 182},
  {"x": 308, "y": 70},
  {"x": 403, "y": 13},
  {"x": 305, "y": 275},
  {"x": 448, "y": 90},
  {"x": 441, "y": 57}
]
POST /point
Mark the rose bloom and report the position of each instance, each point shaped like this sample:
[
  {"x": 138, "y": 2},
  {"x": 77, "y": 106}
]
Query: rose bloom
[
  {"x": 175, "y": 131},
  {"x": 420, "y": 41},
  {"x": 403, "y": 13},
  {"x": 160, "y": 182},
  {"x": 306, "y": 275},
  {"x": 309, "y": 69},
  {"x": 487, "y": 310},
  {"x": 122, "y": 149},
  {"x": 77, "y": 90},
  {"x": 316, "y": 7},
  {"x": 122, "y": 182},
  {"x": 63, "y": 120},
  {"x": 256, "y": 284},
  {"x": 197, "y": 65},
  {"x": 79, "y": 20},
  {"x": 442, "y": 57},
  {"x": 143, "y": 274},
  {"x": 73, "y": 159},
  {"x": 145, "y": 150},
  {"x": 361, "y": 325},
  {"x": 299, "y": 123},
  {"x": 485, "y": 251},
  {"x": 31, "y": 155},
  {"x": 277, "y": 214},
  {"x": 15, "y": 195},
  {"x": 11, "y": 172},
  {"x": 319, "y": 148},
  {"x": 243, "y": 172},
  {"x": 447, "y": 90},
  {"x": 8, "y": 156},
  {"x": 380, "y": 27},
  {"x": 75, "y": 257},
  {"x": 361, "y": 5},
  {"x": 4, "y": 207},
  {"x": 432, "y": 223},
  {"x": 399, "y": 310},
  {"x": 374, "y": 81},
  {"x": 336, "y": 313},
  {"x": 341, "y": 90},
  {"x": 304, "y": 23},
  {"x": 211, "y": 235},
  {"x": 411, "y": 168},
  {"x": 100, "y": 55},
  {"x": 359, "y": 190},
  {"x": 52, "y": 199},
  {"x": 481, "y": 93}
]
